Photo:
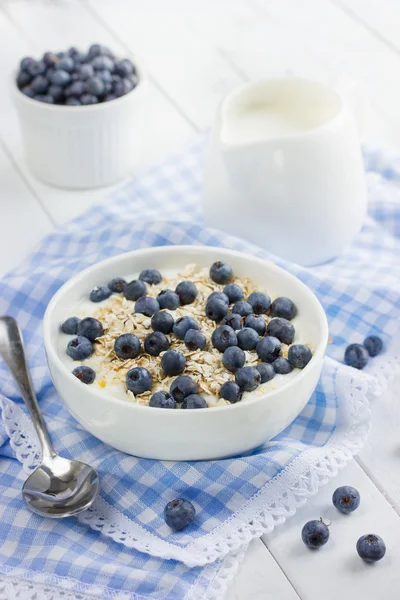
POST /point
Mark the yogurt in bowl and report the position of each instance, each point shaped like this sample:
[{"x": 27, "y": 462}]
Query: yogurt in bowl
[{"x": 109, "y": 409}]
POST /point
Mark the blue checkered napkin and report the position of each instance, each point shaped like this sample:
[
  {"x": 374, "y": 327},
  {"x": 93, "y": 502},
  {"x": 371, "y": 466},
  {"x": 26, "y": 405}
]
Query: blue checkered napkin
[{"x": 235, "y": 499}]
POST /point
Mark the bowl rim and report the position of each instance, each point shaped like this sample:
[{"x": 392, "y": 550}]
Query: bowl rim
[{"x": 319, "y": 351}]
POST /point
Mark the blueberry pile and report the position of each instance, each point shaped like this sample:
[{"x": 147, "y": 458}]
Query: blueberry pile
[
  {"x": 76, "y": 78},
  {"x": 357, "y": 355},
  {"x": 240, "y": 326}
]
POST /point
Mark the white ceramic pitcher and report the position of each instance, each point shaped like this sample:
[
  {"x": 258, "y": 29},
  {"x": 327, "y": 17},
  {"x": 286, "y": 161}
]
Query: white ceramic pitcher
[{"x": 285, "y": 169}]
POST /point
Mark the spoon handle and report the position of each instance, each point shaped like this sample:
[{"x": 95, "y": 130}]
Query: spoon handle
[{"x": 13, "y": 353}]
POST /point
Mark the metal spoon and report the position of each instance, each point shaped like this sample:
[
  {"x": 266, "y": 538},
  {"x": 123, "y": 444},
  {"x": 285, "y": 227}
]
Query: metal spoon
[{"x": 58, "y": 487}]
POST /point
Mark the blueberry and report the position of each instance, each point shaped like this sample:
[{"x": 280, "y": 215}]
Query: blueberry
[
  {"x": 315, "y": 534},
  {"x": 173, "y": 363},
  {"x": 266, "y": 371},
  {"x": 109, "y": 97},
  {"x": 56, "y": 91},
  {"x": 125, "y": 67},
  {"x": 117, "y": 284},
  {"x": 218, "y": 296},
  {"x": 122, "y": 87},
  {"x": 72, "y": 101},
  {"x": 374, "y": 345},
  {"x": 39, "y": 84},
  {"x": 60, "y": 54},
  {"x": 95, "y": 86},
  {"x": 182, "y": 325},
  {"x": 179, "y": 513},
  {"x": 247, "y": 338},
  {"x": 168, "y": 299},
  {"x": 87, "y": 99},
  {"x": 242, "y": 308},
  {"x": 86, "y": 72},
  {"x": 281, "y": 329},
  {"x": 356, "y": 356},
  {"x": 100, "y": 293},
  {"x": 146, "y": 305},
  {"x": 155, "y": 343},
  {"x": 25, "y": 63},
  {"x": 23, "y": 78},
  {"x": 75, "y": 54},
  {"x": 134, "y": 290},
  {"x": 162, "y": 400},
  {"x": 248, "y": 378},
  {"x": 299, "y": 355},
  {"x": 257, "y": 323},
  {"x": 260, "y": 302},
  {"x": 84, "y": 374},
  {"x": 77, "y": 88},
  {"x": 66, "y": 64},
  {"x": 195, "y": 340},
  {"x": 283, "y": 307},
  {"x": 371, "y": 547},
  {"x": 162, "y": 321},
  {"x": 194, "y": 401},
  {"x": 90, "y": 328},
  {"x": 234, "y": 292},
  {"x": 70, "y": 325},
  {"x": 60, "y": 77},
  {"x": 36, "y": 67},
  {"x": 187, "y": 292},
  {"x": 50, "y": 59},
  {"x": 268, "y": 349},
  {"x": 233, "y": 320},
  {"x": 233, "y": 358},
  {"x": 127, "y": 346},
  {"x": 106, "y": 77},
  {"x": 101, "y": 63},
  {"x": 28, "y": 91},
  {"x": 98, "y": 50},
  {"x": 151, "y": 276},
  {"x": 230, "y": 391},
  {"x": 182, "y": 387},
  {"x": 282, "y": 366},
  {"x": 216, "y": 309},
  {"x": 223, "y": 337},
  {"x": 44, "y": 98},
  {"x": 138, "y": 380},
  {"x": 221, "y": 272},
  {"x": 79, "y": 348},
  {"x": 346, "y": 499}
]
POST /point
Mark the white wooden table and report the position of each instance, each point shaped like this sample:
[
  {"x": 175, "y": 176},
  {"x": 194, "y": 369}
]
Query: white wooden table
[{"x": 196, "y": 51}]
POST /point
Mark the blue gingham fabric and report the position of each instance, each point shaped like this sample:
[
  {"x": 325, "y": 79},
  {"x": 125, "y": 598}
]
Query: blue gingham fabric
[{"x": 122, "y": 548}]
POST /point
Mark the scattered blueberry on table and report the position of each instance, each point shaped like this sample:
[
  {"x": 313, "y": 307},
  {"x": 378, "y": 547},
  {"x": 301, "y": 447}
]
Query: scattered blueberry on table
[
  {"x": 346, "y": 499},
  {"x": 315, "y": 534},
  {"x": 77, "y": 78},
  {"x": 356, "y": 356},
  {"x": 374, "y": 345},
  {"x": 371, "y": 547},
  {"x": 179, "y": 513}
]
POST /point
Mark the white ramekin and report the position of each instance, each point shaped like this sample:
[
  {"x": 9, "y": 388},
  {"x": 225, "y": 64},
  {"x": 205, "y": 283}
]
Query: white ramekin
[
  {"x": 80, "y": 147},
  {"x": 185, "y": 434}
]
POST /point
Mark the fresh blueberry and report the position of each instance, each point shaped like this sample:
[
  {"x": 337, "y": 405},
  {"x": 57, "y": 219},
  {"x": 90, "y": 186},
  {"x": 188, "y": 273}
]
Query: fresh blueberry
[
  {"x": 146, "y": 305},
  {"x": 266, "y": 371},
  {"x": 86, "y": 72},
  {"x": 281, "y": 329},
  {"x": 134, "y": 290},
  {"x": 182, "y": 325},
  {"x": 179, "y": 513},
  {"x": 90, "y": 328},
  {"x": 39, "y": 84},
  {"x": 233, "y": 359},
  {"x": 98, "y": 50},
  {"x": 84, "y": 374},
  {"x": 106, "y": 77},
  {"x": 109, "y": 97},
  {"x": 46, "y": 98},
  {"x": 122, "y": 87},
  {"x": 60, "y": 77},
  {"x": 127, "y": 346},
  {"x": 28, "y": 91},
  {"x": 162, "y": 321},
  {"x": 72, "y": 101},
  {"x": 268, "y": 349},
  {"x": 216, "y": 309},
  {"x": 155, "y": 343},
  {"x": 173, "y": 363},
  {"x": 99, "y": 293},
  {"x": 138, "y": 380},
  {"x": 283, "y": 307},
  {"x": 371, "y": 547},
  {"x": 125, "y": 67},
  {"x": 101, "y": 63},
  {"x": 117, "y": 285},
  {"x": 168, "y": 299},
  {"x": 260, "y": 302},
  {"x": 194, "y": 401},
  {"x": 66, "y": 64},
  {"x": 182, "y": 387},
  {"x": 195, "y": 340},
  {"x": 230, "y": 391},
  {"x": 70, "y": 325},
  {"x": 87, "y": 99},
  {"x": 282, "y": 366},
  {"x": 234, "y": 292},
  {"x": 257, "y": 323},
  {"x": 233, "y": 320},
  {"x": 56, "y": 91},
  {"x": 247, "y": 338},
  {"x": 223, "y": 337},
  {"x": 25, "y": 63},
  {"x": 79, "y": 348},
  {"x": 315, "y": 534},
  {"x": 373, "y": 344},
  {"x": 50, "y": 59},
  {"x": 299, "y": 355},
  {"x": 242, "y": 308},
  {"x": 248, "y": 378},
  {"x": 95, "y": 86},
  {"x": 346, "y": 499},
  {"x": 187, "y": 292},
  {"x": 74, "y": 53},
  {"x": 151, "y": 276},
  {"x": 218, "y": 296},
  {"x": 356, "y": 356},
  {"x": 162, "y": 400},
  {"x": 23, "y": 78},
  {"x": 77, "y": 88},
  {"x": 36, "y": 67},
  {"x": 221, "y": 272}
]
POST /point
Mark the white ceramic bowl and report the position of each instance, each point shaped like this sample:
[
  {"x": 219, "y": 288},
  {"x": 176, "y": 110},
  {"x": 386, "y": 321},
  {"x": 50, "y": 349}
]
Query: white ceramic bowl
[
  {"x": 78, "y": 147},
  {"x": 185, "y": 434}
]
